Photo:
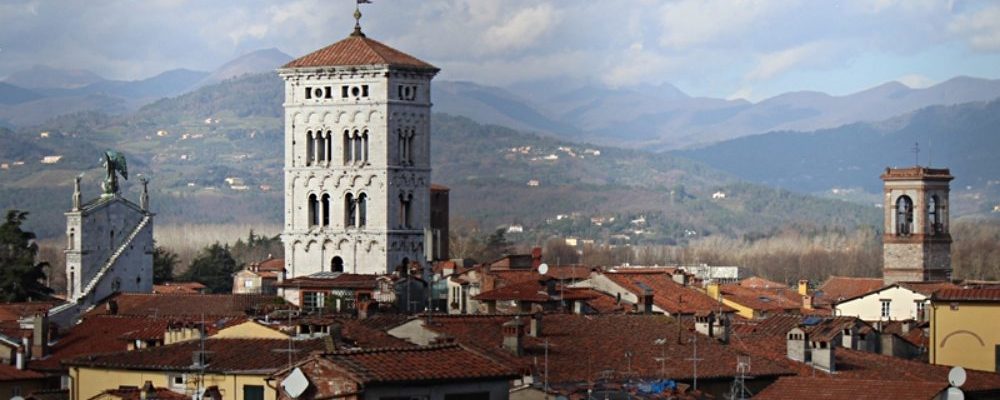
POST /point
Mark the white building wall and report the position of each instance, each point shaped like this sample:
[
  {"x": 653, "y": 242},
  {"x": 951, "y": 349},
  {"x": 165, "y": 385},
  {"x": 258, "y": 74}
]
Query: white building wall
[{"x": 902, "y": 306}]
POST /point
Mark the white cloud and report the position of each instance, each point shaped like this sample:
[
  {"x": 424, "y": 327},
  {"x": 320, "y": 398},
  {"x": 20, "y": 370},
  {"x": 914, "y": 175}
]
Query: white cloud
[
  {"x": 523, "y": 29},
  {"x": 637, "y": 65},
  {"x": 980, "y": 28},
  {"x": 690, "y": 22},
  {"x": 916, "y": 81},
  {"x": 773, "y": 64}
]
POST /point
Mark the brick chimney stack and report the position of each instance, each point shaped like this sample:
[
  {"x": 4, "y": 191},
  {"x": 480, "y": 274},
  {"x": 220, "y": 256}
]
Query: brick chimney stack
[
  {"x": 536, "y": 257},
  {"x": 513, "y": 336}
]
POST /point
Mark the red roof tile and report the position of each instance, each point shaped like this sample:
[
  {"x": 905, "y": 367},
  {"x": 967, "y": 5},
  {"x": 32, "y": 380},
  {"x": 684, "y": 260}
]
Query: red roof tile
[
  {"x": 838, "y": 288},
  {"x": 11, "y": 373},
  {"x": 135, "y": 393},
  {"x": 357, "y": 51},
  {"x": 991, "y": 295},
  {"x": 762, "y": 297},
  {"x": 15, "y": 311},
  {"x": 271, "y": 264},
  {"x": 179, "y": 287},
  {"x": 820, "y": 388},
  {"x": 582, "y": 347},
  {"x": 757, "y": 282},
  {"x": 527, "y": 291},
  {"x": 928, "y": 288},
  {"x": 414, "y": 364},
  {"x": 191, "y": 305},
  {"x": 232, "y": 356},
  {"x": 332, "y": 281},
  {"x": 667, "y": 294}
]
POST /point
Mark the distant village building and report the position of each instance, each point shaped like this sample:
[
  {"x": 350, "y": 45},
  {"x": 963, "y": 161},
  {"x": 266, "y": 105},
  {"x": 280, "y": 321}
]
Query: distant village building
[
  {"x": 516, "y": 228},
  {"x": 717, "y": 273},
  {"x": 718, "y": 195},
  {"x": 259, "y": 277},
  {"x": 357, "y": 158},
  {"x": 533, "y": 183},
  {"x": 51, "y": 159}
]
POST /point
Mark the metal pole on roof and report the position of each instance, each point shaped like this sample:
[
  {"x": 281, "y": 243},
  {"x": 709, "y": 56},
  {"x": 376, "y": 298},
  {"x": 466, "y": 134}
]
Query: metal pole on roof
[{"x": 546, "y": 381}]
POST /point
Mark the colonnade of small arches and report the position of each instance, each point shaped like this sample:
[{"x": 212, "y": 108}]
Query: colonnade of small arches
[
  {"x": 320, "y": 147},
  {"x": 355, "y": 210}
]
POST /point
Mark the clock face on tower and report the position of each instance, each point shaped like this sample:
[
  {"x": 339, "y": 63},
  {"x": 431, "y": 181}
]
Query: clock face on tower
[{"x": 357, "y": 159}]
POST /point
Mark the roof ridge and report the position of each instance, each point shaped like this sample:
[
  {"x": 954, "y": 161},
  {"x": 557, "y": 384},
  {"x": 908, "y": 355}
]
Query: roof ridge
[{"x": 394, "y": 349}]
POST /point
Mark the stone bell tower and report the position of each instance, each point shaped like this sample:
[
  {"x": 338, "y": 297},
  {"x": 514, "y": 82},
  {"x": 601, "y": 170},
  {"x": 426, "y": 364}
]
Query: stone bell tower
[
  {"x": 357, "y": 158},
  {"x": 917, "y": 242}
]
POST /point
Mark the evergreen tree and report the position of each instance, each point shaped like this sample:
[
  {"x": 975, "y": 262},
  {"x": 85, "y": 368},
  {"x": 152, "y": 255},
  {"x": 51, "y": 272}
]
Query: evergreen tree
[
  {"x": 214, "y": 267},
  {"x": 164, "y": 262},
  {"x": 496, "y": 246},
  {"x": 20, "y": 277}
]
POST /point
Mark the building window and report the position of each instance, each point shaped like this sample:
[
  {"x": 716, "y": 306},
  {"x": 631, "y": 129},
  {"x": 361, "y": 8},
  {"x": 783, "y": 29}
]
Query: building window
[
  {"x": 362, "y": 209},
  {"x": 313, "y": 210},
  {"x": 312, "y": 301},
  {"x": 904, "y": 216},
  {"x": 248, "y": 283},
  {"x": 253, "y": 392},
  {"x": 326, "y": 210},
  {"x": 337, "y": 264},
  {"x": 920, "y": 310},
  {"x": 885, "y": 308},
  {"x": 405, "y": 201},
  {"x": 934, "y": 215},
  {"x": 350, "y": 210},
  {"x": 347, "y": 147}
]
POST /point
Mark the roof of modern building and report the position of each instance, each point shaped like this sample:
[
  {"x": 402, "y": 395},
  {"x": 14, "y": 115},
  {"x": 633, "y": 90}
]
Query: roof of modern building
[
  {"x": 231, "y": 356},
  {"x": 952, "y": 294},
  {"x": 667, "y": 294},
  {"x": 358, "y": 50},
  {"x": 837, "y": 288},
  {"x": 332, "y": 280},
  {"x": 800, "y": 387},
  {"x": 581, "y": 347},
  {"x": 179, "y": 288},
  {"x": 188, "y": 305}
]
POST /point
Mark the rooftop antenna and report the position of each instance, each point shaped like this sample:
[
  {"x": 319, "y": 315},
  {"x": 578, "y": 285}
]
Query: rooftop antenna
[
  {"x": 930, "y": 146},
  {"x": 916, "y": 153},
  {"x": 739, "y": 390},
  {"x": 694, "y": 361}
]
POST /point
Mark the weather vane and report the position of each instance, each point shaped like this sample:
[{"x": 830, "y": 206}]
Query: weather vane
[{"x": 357, "y": 17}]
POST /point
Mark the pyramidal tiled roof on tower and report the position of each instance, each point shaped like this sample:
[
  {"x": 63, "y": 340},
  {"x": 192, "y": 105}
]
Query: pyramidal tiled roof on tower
[{"x": 359, "y": 50}]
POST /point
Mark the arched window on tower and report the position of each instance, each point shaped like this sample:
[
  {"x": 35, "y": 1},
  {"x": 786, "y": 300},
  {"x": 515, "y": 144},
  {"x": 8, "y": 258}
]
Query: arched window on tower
[
  {"x": 320, "y": 148},
  {"x": 337, "y": 264},
  {"x": 347, "y": 146},
  {"x": 364, "y": 145},
  {"x": 329, "y": 147},
  {"x": 405, "y": 200},
  {"x": 358, "y": 151},
  {"x": 904, "y": 216},
  {"x": 326, "y": 210},
  {"x": 313, "y": 210},
  {"x": 350, "y": 210},
  {"x": 409, "y": 146},
  {"x": 362, "y": 209},
  {"x": 934, "y": 215},
  {"x": 310, "y": 144}
]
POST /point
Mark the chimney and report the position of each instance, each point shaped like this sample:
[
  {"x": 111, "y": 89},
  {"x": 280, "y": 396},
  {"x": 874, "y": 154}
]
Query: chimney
[
  {"x": 647, "y": 301},
  {"x": 212, "y": 393},
  {"x": 713, "y": 290},
  {"x": 112, "y": 307},
  {"x": 905, "y": 326},
  {"x": 807, "y": 302},
  {"x": 513, "y": 336},
  {"x": 803, "y": 287},
  {"x": 726, "y": 323},
  {"x": 148, "y": 392},
  {"x": 823, "y": 356},
  {"x": 796, "y": 345},
  {"x": 19, "y": 358},
  {"x": 681, "y": 278},
  {"x": 535, "y": 326},
  {"x": 536, "y": 257},
  {"x": 40, "y": 335}
]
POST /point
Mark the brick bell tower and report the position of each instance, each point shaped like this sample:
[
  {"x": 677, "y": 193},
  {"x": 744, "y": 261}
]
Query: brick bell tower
[{"x": 917, "y": 242}]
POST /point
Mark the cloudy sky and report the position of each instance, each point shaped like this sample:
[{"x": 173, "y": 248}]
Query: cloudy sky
[{"x": 717, "y": 48}]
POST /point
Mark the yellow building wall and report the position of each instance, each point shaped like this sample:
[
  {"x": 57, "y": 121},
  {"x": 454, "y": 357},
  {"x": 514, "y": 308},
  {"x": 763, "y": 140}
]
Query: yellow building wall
[
  {"x": 249, "y": 330},
  {"x": 967, "y": 336},
  {"x": 712, "y": 290},
  {"x": 89, "y": 382}
]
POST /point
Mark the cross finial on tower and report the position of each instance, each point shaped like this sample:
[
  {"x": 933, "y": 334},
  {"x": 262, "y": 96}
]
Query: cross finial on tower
[
  {"x": 916, "y": 153},
  {"x": 357, "y": 17}
]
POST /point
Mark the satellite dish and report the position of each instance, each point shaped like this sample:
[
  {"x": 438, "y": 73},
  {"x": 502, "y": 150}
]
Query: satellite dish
[
  {"x": 17, "y": 398},
  {"x": 956, "y": 377},
  {"x": 954, "y": 393},
  {"x": 543, "y": 269},
  {"x": 295, "y": 383}
]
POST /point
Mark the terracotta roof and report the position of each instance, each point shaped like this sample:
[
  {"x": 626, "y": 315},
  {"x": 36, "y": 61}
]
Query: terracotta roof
[
  {"x": 49, "y": 394},
  {"x": 191, "y": 305},
  {"x": 355, "y": 332},
  {"x": 527, "y": 291},
  {"x": 838, "y": 288},
  {"x": 11, "y": 373},
  {"x": 667, "y": 294},
  {"x": 757, "y": 282},
  {"x": 927, "y": 288},
  {"x": 135, "y": 393},
  {"x": 357, "y": 51},
  {"x": 427, "y": 363},
  {"x": 15, "y": 311},
  {"x": 779, "y": 325},
  {"x": 179, "y": 287},
  {"x": 916, "y": 333},
  {"x": 109, "y": 333},
  {"x": 581, "y": 347},
  {"x": 231, "y": 356},
  {"x": 991, "y": 295},
  {"x": 797, "y": 388},
  {"x": 764, "y": 299},
  {"x": 332, "y": 280},
  {"x": 272, "y": 264}
]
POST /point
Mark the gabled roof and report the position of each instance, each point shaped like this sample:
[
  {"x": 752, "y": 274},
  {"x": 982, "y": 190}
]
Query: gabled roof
[
  {"x": 16, "y": 311},
  {"x": 527, "y": 291},
  {"x": 667, "y": 294},
  {"x": 231, "y": 356},
  {"x": 756, "y": 282},
  {"x": 10, "y": 373},
  {"x": 798, "y": 387},
  {"x": 762, "y": 298},
  {"x": 190, "y": 305},
  {"x": 179, "y": 287},
  {"x": 448, "y": 362},
  {"x": 332, "y": 280},
  {"x": 838, "y": 288},
  {"x": 924, "y": 288},
  {"x": 356, "y": 50}
]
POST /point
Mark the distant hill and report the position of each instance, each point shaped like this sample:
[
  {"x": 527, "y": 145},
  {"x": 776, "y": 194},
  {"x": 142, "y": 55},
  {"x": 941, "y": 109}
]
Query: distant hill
[
  {"x": 10, "y": 94},
  {"x": 45, "y": 77},
  {"x": 962, "y": 137},
  {"x": 266, "y": 60},
  {"x": 235, "y": 129}
]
